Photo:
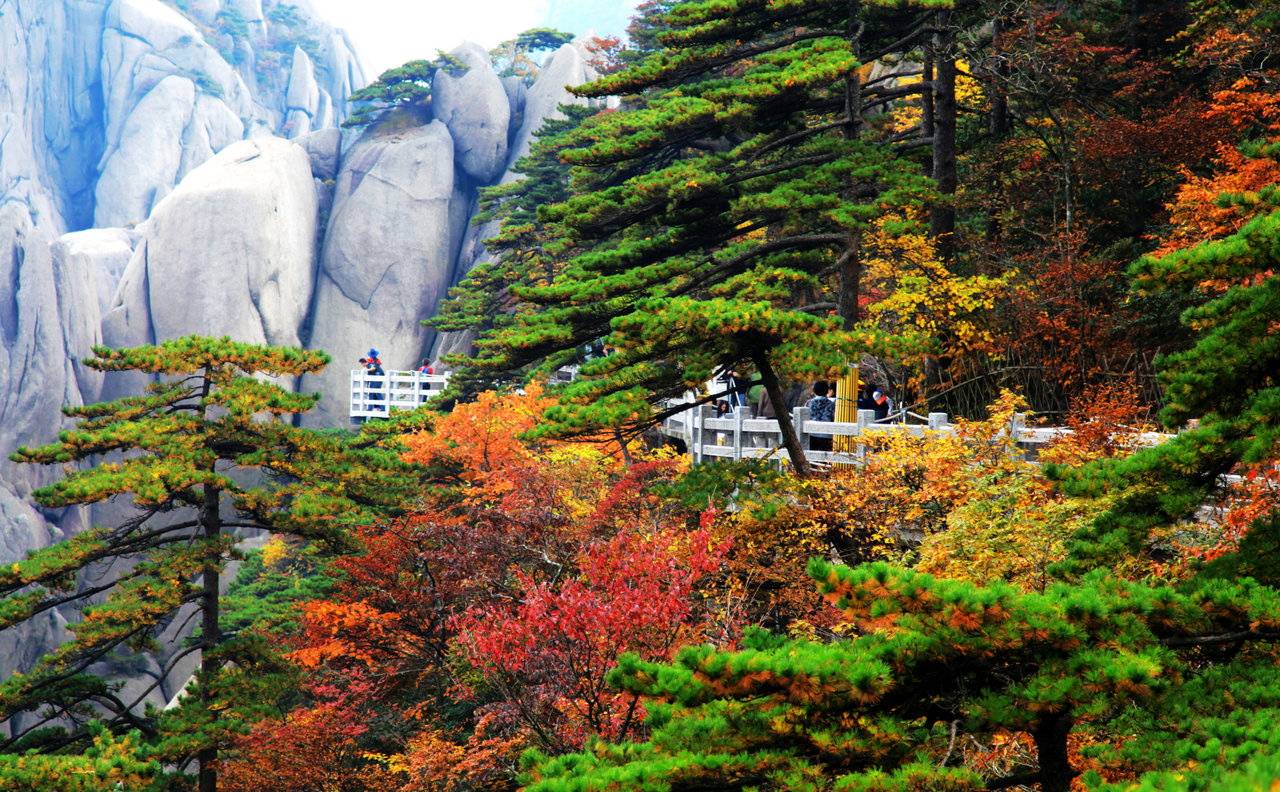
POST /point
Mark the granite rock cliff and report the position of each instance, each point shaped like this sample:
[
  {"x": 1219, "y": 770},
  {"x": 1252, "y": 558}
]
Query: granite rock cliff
[
  {"x": 106, "y": 104},
  {"x": 166, "y": 173}
]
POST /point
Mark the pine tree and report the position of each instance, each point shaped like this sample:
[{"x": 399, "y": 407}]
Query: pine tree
[
  {"x": 183, "y": 452},
  {"x": 940, "y": 666},
  {"x": 715, "y": 221},
  {"x": 406, "y": 87},
  {"x": 1226, "y": 384}
]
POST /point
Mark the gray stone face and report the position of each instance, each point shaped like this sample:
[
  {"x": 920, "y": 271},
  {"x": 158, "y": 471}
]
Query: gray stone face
[
  {"x": 146, "y": 163},
  {"x": 386, "y": 258},
  {"x": 346, "y": 75},
  {"x": 517, "y": 94},
  {"x": 103, "y": 253},
  {"x": 50, "y": 113},
  {"x": 156, "y": 64},
  {"x": 48, "y": 322},
  {"x": 212, "y": 128},
  {"x": 562, "y": 69},
  {"x": 303, "y": 99},
  {"x": 475, "y": 108},
  {"x": 230, "y": 252},
  {"x": 324, "y": 147},
  {"x": 566, "y": 67},
  {"x": 77, "y": 72}
]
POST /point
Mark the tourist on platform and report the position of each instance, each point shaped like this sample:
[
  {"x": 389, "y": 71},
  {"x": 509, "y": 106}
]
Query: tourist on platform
[
  {"x": 883, "y": 406},
  {"x": 821, "y": 408}
]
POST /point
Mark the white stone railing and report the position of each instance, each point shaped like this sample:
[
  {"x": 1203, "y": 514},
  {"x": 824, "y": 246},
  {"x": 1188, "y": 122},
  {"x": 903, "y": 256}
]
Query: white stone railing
[
  {"x": 737, "y": 436},
  {"x": 374, "y": 396}
]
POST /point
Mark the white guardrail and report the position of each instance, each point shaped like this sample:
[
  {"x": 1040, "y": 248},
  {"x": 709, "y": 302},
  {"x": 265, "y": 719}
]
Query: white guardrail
[
  {"x": 374, "y": 396},
  {"x": 738, "y": 436}
]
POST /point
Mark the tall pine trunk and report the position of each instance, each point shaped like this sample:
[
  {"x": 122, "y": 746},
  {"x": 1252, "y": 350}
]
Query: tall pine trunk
[
  {"x": 851, "y": 268},
  {"x": 997, "y": 119},
  {"x": 942, "y": 215},
  {"x": 211, "y": 524},
  {"x": 210, "y": 627}
]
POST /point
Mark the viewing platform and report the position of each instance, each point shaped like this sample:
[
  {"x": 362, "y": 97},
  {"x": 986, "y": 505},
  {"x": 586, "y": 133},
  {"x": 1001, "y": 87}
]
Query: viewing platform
[
  {"x": 374, "y": 396},
  {"x": 735, "y": 436},
  {"x": 738, "y": 436}
]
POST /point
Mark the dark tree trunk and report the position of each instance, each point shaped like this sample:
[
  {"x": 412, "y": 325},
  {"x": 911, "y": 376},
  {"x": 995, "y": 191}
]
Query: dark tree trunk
[
  {"x": 790, "y": 440},
  {"x": 1051, "y": 745},
  {"x": 850, "y": 273},
  {"x": 851, "y": 281},
  {"x": 210, "y": 628},
  {"x": 998, "y": 117},
  {"x": 942, "y": 216},
  {"x": 926, "y": 103}
]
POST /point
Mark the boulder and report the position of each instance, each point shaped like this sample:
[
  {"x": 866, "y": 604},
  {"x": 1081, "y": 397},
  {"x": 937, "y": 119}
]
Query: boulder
[
  {"x": 212, "y": 128},
  {"x": 145, "y": 41},
  {"x": 230, "y": 252},
  {"x": 323, "y": 147},
  {"x": 566, "y": 67},
  {"x": 48, "y": 322},
  {"x": 345, "y": 74},
  {"x": 50, "y": 115},
  {"x": 302, "y": 102},
  {"x": 326, "y": 115},
  {"x": 517, "y": 95},
  {"x": 75, "y": 72},
  {"x": 386, "y": 258},
  {"x": 171, "y": 101},
  {"x": 103, "y": 253},
  {"x": 149, "y": 155},
  {"x": 475, "y": 108}
]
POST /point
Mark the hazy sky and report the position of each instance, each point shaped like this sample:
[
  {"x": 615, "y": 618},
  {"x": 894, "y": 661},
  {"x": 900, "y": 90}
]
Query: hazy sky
[{"x": 389, "y": 32}]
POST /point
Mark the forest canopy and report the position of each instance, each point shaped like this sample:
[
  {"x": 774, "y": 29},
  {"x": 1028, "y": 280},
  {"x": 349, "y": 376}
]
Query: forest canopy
[{"x": 1008, "y": 211}]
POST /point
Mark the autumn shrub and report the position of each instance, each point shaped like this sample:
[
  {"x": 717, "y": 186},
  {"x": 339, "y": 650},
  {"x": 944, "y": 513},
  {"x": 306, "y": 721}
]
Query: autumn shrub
[{"x": 486, "y": 620}]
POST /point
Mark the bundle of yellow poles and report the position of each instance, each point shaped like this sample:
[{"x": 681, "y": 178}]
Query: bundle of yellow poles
[{"x": 847, "y": 407}]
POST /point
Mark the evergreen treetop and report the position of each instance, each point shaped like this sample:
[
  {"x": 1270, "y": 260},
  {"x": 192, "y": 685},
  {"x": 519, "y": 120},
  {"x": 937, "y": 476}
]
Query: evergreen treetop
[
  {"x": 407, "y": 86},
  {"x": 722, "y": 206},
  {"x": 933, "y": 658},
  {"x": 205, "y": 454}
]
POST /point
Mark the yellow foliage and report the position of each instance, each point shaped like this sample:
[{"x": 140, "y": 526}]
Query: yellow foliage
[
  {"x": 920, "y": 296},
  {"x": 275, "y": 552},
  {"x": 1007, "y": 521},
  {"x": 906, "y": 115}
]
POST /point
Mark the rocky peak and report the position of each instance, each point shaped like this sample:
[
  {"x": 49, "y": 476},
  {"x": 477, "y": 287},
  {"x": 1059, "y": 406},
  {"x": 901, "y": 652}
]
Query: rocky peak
[{"x": 106, "y": 104}]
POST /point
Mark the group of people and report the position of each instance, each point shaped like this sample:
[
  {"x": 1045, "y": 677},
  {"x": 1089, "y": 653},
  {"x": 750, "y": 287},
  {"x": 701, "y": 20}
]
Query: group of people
[
  {"x": 822, "y": 405},
  {"x": 372, "y": 364}
]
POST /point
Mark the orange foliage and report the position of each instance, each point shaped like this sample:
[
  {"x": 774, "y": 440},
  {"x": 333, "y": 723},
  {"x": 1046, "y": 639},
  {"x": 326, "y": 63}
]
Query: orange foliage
[
  {"x": 482, "y": 437},
  {"x": 310, "y": 749},
  {"x": 1108, "y": 422},
  {"x": 1255, "y": 495},
  {"x": 453, "y": 622},
  {"x": 1195, "y": 213}
]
